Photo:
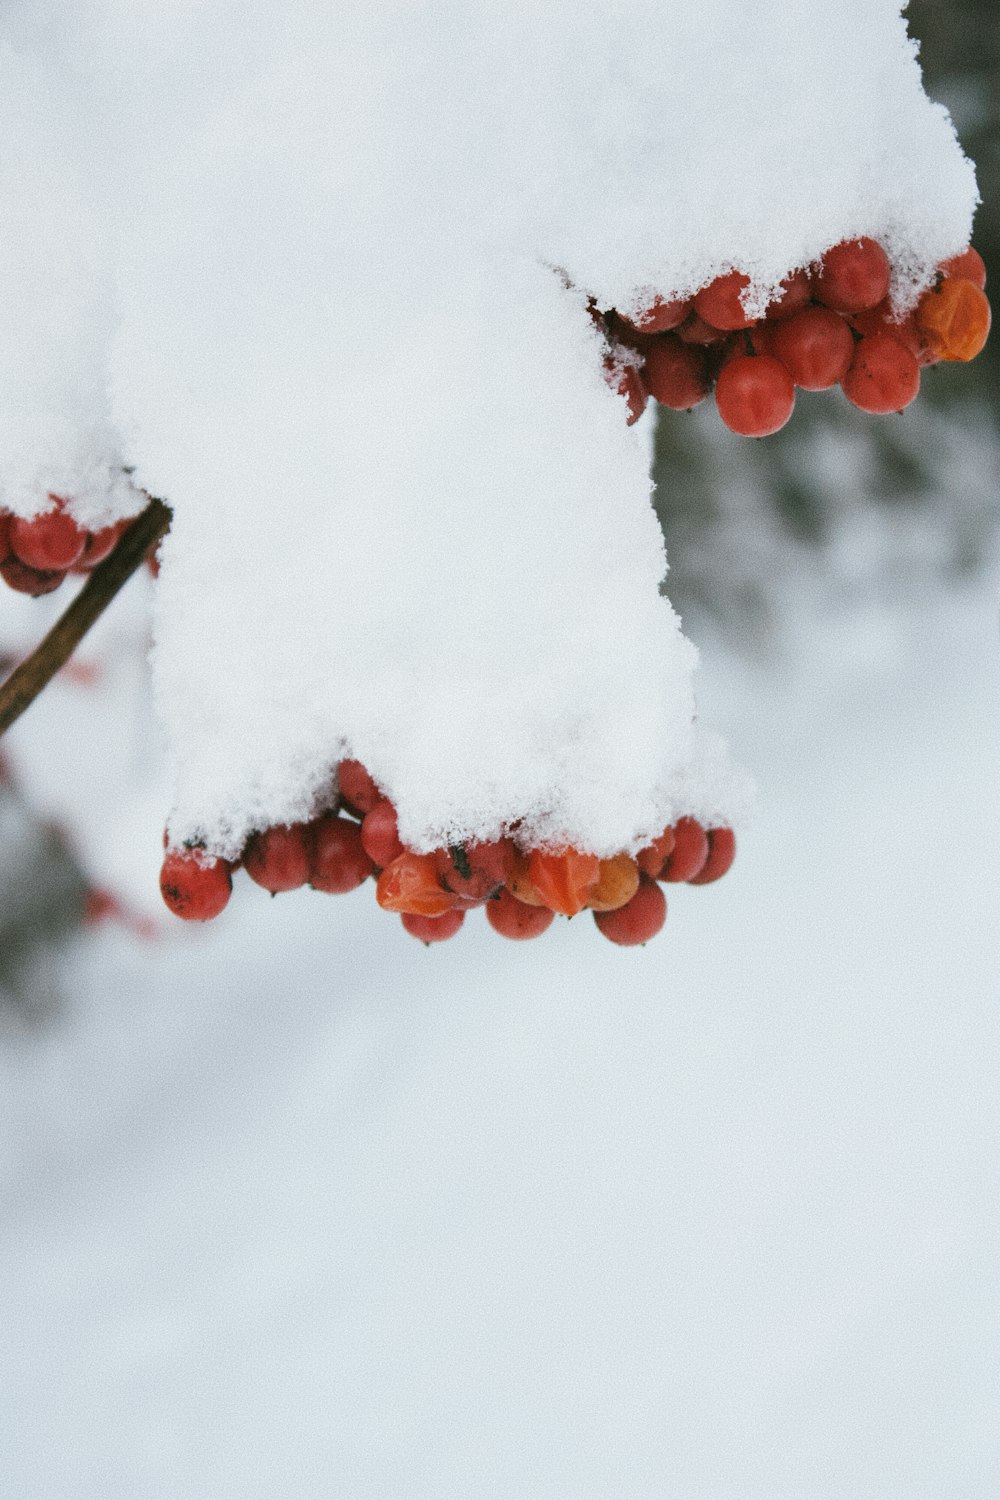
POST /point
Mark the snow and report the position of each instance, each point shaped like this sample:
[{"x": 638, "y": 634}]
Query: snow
[
  {"x": 316, "y": 296},
  {"x": 295, "y": 1207}
]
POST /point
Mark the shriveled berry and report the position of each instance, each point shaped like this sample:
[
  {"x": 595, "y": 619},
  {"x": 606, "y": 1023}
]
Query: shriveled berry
[
  {"x": 675, "y": 373},
  {"x": 356, "y": 786},
  {"x": 380, "y": 834},
  {"x": 280, "y": 858},
  {"x": 970, "y": 266},
  {"x": 195, "y": 886},
  {"x": 339, "y": 862},
  {"x": 719, "y": 305},
  {"x": 638, "y": 920},
  {"x": 433, "y": 929},
  {"x": 563, "y": 880},
  {"x": 884, "y": 376},
  {"x": 955, "y": 319},
  {"x": 24, "y": 580},
  {"x": 49, "y": 542},
  {"x": 689, "y": 854},
  {"x": 617, "y": 883},
  {"x": 721, "y": 853},
  {"x": 854, "y": 274},
  {"x": 515, "y": 919},
  {"x": 755, "y": 395},
  {"x": 410, "y": 884},
  {"x": 815, "y": 346},
  {"x": 625, "y": 380}
]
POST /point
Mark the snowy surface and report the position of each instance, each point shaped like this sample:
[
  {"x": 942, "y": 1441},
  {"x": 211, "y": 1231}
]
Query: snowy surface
[
  {"x": 298, "y": 1208},
  {"x": 320, "y": 304}
]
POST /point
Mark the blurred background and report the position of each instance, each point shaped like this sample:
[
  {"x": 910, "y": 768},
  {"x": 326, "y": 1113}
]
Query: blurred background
[{"x": 292, "y": 1206}]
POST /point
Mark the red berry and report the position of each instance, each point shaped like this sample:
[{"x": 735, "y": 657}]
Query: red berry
[
  {"x": 754, "y": 394},
  {"x": 339, "y": 862},
  {"x": 476, "y": 871},
  {"x": 651, "y": 859},
  {"x": 24, "y": 580},
  {"x": 280, "y": 858},
  {"x": 721, "y": 853},
  {"x": 719, "y": 305},
  {"x": 514, "y": 919},
  {"x": 815, "y": 346},
  {"x": 660, "y": 316},
  {"x": 5, "y": 520},
  {"x": 433, "y": 929},
  {"x": 689, "y": 854},
  {"x": 356, "y": 786},
  {"x": 195, "y": 886},
  {"x": 905, "y": 331},
  {"x": 675, "y": 373},
  {"x": 695, "y": 330},
  {"x": 638, "y": 920},
  {"x": 380, "y": 834},
  {"x": 970, "y": 266},
  {"x": 100, "y": 544},
  {"x": 854, "y": 274},
  {"x": 795, "y": 293},
  {"x": 883, "y": 377},
  {"x": 49, "y": 542}
]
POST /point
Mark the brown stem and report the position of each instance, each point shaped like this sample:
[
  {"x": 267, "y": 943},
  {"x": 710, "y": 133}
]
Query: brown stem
[{"x": 25, "y": 683}]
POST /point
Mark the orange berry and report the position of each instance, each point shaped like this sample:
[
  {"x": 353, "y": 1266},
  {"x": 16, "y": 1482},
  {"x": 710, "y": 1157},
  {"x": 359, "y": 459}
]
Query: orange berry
[
  {"x": 563, "y": 880},
  {"x": 410, "y": 884},
  {"x": 617, "y": 883},
  {"x": 519, "y": 882},
  {"x": 955, "y": 317}
]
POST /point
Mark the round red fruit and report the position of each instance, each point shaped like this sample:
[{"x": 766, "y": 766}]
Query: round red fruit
[
  {"x": 476, "y": 871},
  {"x": 815, "y": 346},
  {"x": 689, "y": 854},
  {"x": 721, "y": 853},
  {"x": 339, "y": 862},
  {"x": 795, "y": 293},
  {"x": 195, "y": 886},
  {"x": 24, "y": 580},
  {"x": 356, "y": 786},
  {"x": 970, "y": 266},
  {"x": 755, "y": 394},
  {"x": 651, "y": 859},
  {"x": 5, "y": 520},
  {"x": 280, "y": 858},
  {"x": 380, "y": 834},
  {"x": 49, "y": 542},
  {"x": 638, "y": 920},
  {"x": 883, "y": 377},
  {"x": 513, "y": 919},
  {"x": 660, "y": 316},
  {"x": 676, "y": 373},
  {"x": 719, "y": 305},
  {"x": 433, "y": 929},
  {"x": 100, "y": 544},
  {"x": 855, "y": 274}
]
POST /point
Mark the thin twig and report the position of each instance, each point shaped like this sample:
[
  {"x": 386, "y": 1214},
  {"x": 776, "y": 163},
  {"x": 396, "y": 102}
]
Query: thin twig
[{"x": 25, "y": 683}]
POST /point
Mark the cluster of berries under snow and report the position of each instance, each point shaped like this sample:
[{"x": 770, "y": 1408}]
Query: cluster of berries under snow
[{"x": 353, "y": 309}]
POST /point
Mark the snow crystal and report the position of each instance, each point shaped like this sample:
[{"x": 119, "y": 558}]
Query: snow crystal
[{"x": 321, "y": 277}]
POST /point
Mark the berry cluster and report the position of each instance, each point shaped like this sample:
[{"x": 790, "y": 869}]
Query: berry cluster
[
  {"x": 831, "y": 325},
  {"x": 36, "y": 555},
  {"x": 521, "y": 889}
]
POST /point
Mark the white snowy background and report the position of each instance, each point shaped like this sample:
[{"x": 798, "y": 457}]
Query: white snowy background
[{"x": 292, "y": 1207}]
